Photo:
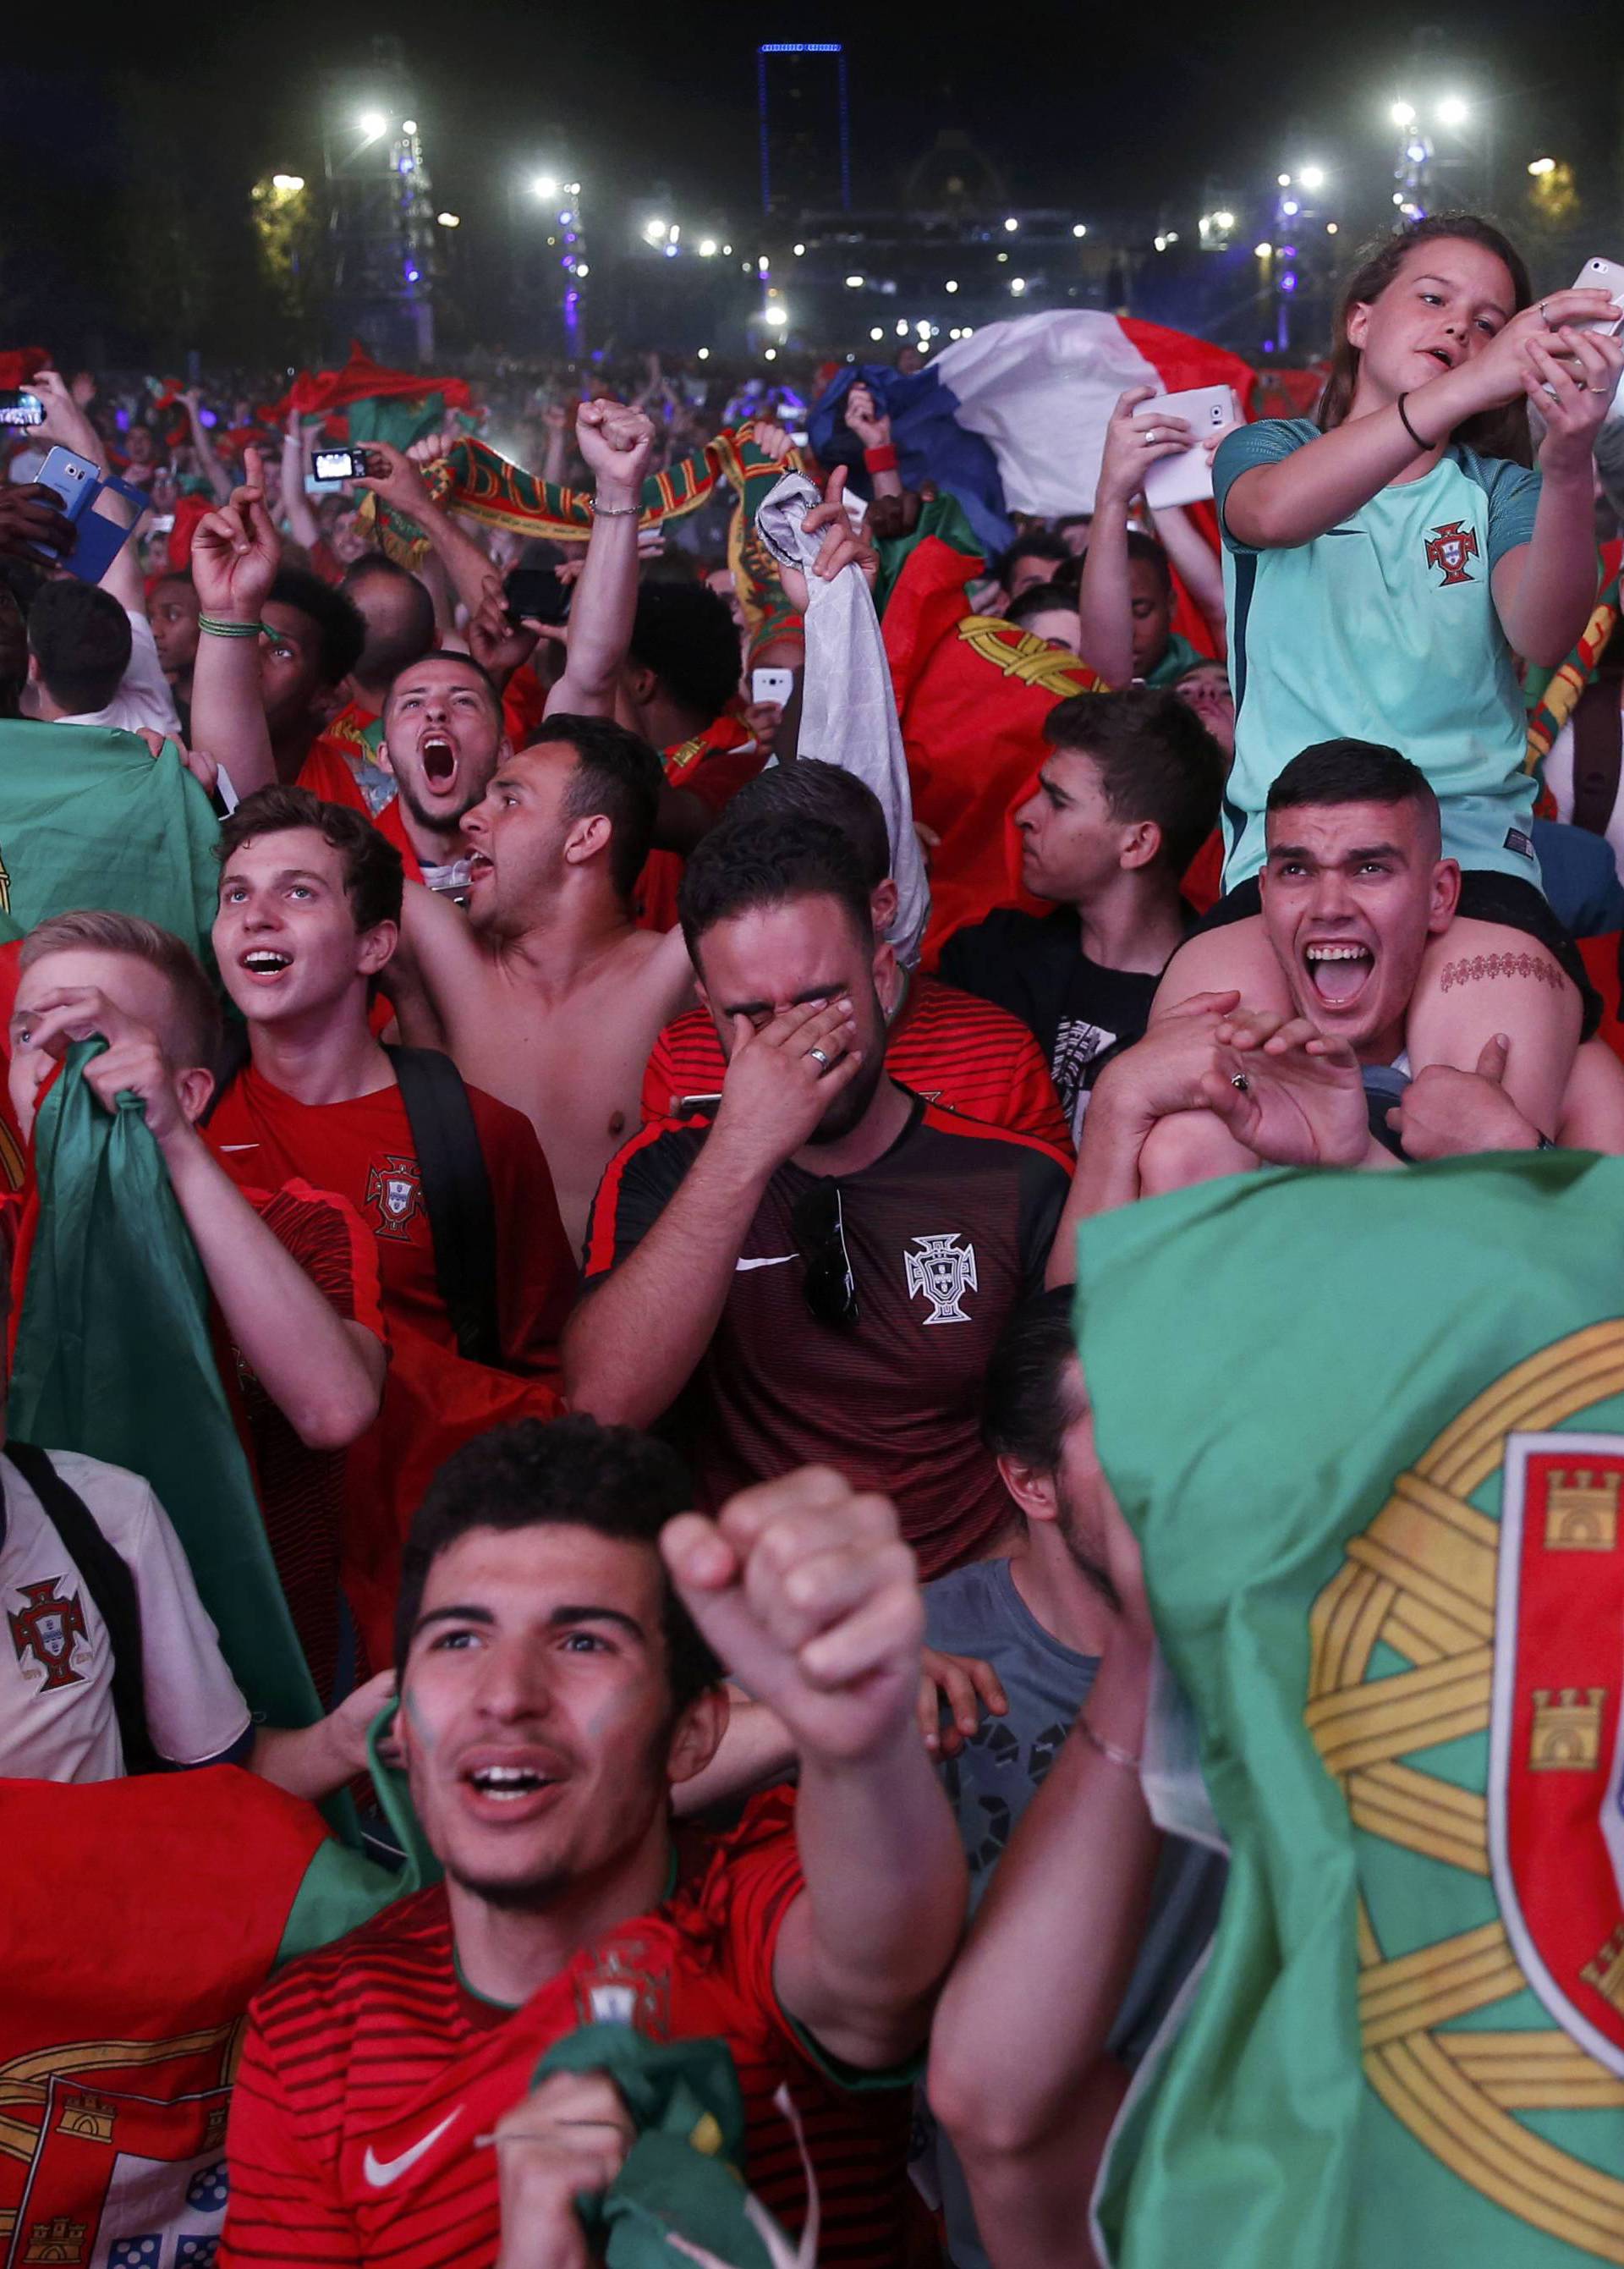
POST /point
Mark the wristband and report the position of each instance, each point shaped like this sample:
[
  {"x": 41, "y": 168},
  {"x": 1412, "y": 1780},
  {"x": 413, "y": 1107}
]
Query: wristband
[
  {"x": 882, "y": 459},
  {"x": 1405, "y": 421},
  {"x": 614, "y": 511},
  {"x": 1109, "y": 1750},
  {"x": 214, "y": 628}
]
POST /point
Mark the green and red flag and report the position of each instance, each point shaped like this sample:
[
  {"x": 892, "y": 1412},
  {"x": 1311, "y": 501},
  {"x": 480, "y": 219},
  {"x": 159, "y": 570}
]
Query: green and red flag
[
  {"x": 88, "y": 818},
  {"x": 114, "y": 1358},
  {"x": 972, "y": 693},
  {"x": 139, "y": 1918},
  {"x": 1370, "y": 1431},
  {"x": 366, "y": 400}
]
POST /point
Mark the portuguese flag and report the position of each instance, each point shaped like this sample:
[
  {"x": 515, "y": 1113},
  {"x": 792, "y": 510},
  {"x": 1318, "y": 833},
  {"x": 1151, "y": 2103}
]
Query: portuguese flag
[
  {"x": 139, "y": 1918},
  {"x": 89, "y": 818},
  {"x": 1369, "y": 1430}
]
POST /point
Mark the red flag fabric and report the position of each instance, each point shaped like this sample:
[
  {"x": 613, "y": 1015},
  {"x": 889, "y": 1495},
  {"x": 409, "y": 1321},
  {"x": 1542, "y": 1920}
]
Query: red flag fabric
[
  {"x": 972, "y": 693},
  {"x": 313, "y": 393},
  {"x": 139, "y": 1917},
  {"x": 18, "y": 365}
]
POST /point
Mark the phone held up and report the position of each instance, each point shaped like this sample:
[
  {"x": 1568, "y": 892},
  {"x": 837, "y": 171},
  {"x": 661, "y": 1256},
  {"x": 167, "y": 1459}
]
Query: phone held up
[
  {"x": 103, "y": 510},
  {"x": 536, "y": 594},
  {"x": 18, "y": 407},
  {"x": 1602, "y": 276},
  {"x": 1187, "y": 479},
  {"x": 773, "y": 685},
  {"x": 344, "y": 465}
]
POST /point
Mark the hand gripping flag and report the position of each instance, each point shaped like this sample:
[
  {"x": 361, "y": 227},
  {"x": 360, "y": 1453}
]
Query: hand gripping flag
[
  {"x": 113, "y": 1358},
  {"x": 1369, "y": 1430}
]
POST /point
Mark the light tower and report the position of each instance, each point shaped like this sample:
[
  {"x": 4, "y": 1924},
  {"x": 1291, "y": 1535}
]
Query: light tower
[{"x": 381, "y": 215}]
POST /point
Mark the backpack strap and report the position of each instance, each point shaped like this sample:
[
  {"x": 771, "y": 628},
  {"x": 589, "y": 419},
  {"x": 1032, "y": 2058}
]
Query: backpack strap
[
  {"x": 1597, "y": 754},
  {"x": 232, "y": 1058},
  {"x": 111, "y": 1587},
  {"x": 456, "y": 1192}
]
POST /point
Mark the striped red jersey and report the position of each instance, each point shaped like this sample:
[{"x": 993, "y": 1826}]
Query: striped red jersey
[
  {"x": 369, "y": 2073},
  {"x": 943, "y": 1235},
  {"x": 964, "y": 1055}
]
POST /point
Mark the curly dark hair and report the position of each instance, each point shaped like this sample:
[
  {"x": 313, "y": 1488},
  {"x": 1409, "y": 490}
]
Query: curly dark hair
[
  {"x": 374, "y": 874},
  {"x": 569, "y": 1473}
]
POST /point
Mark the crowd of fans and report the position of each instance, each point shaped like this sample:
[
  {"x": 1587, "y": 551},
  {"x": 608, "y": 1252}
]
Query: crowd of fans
[{"x": 639, "y": 1235}]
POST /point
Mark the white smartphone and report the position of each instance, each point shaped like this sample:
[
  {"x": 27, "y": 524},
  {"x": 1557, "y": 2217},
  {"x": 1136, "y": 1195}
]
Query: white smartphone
[
  {"x": 1187, "y": 479},
  {"x": 1601, "y": 275},
  {"x": 773, "y": 685}
]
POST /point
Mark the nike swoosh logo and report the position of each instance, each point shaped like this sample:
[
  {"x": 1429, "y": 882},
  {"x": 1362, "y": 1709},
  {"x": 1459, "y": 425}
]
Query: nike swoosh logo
[
  {"x": 239, "y": 1145},
  {"x": 773, "y": 1260},
  {"x": 381, "y": 2172}
]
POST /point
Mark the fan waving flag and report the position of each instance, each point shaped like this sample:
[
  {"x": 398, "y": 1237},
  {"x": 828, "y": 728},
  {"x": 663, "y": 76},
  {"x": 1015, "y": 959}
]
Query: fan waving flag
[
  {"x": 1392, "y": 1588},
  {"x": 1012, "y": 419},
  {"x": 367, "y": 402}
]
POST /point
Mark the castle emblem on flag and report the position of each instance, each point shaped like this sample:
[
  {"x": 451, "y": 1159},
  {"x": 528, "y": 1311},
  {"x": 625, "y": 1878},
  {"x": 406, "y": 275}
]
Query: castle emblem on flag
[
  {"x": 47, "y": 1629},
  {"x": 1449, "y": 547},
  {"x": 395, "y": 1194},
  {"x": 943, "y": 1269}
]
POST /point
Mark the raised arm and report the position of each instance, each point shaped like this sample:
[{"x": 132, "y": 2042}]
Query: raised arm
[
  {"x": 235, "y": 554},
  {"x": 1307, "y": 492},
  {"x": 1544, "y": 590},
  {"x": 303, "y": 525},
  {"x": 324, "y": 1374},
  {"x": 473, "y": 573},
  {"x": 1106, "y": 598},
  {"x": 1195, "y": 563},
  {"x": 810, "y": 1597},
  {"x": 631, "y": 1346},
  {"x": 873, "y": 429},
  {"x": 616, "y": 443},
  {"x": 67, "y": 423},
  {"x": 1023, "y": 2081},
  {"x": 213, "y": 471}
]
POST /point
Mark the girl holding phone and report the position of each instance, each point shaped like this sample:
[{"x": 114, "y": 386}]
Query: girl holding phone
[{"x": 1385, "y": 565}]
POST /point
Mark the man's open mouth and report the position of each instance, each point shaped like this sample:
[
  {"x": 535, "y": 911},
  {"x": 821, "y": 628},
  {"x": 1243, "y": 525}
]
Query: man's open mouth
[
  {"x": 1339, "y": 973},
  {"x": 478, "y": 865},
  {"x": 507, "y": 1781},
  {"x": 439, "y": 760},
  {"x": 264, "y": 961}
]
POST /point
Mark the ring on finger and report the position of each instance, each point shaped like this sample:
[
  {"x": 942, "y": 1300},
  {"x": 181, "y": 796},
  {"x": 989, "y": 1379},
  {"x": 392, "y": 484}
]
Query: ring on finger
[
  {"x": 1151, "y": 437},
  {"x": 1240, "y": 1083},
  {"x": 819, "y": 1058}
]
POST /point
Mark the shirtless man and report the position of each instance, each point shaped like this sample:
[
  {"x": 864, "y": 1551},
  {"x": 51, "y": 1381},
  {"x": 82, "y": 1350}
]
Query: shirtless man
[{"x": 545, "y": 994}]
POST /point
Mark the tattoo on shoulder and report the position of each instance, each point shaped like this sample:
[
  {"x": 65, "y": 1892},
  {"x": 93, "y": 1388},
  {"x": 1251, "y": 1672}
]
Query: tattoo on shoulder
[{"x": 1480, "y": 966}]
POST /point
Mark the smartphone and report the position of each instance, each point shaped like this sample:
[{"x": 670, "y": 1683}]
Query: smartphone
[
  {"x": 538, "y": 594},
  {"x": 773, "y": 685},
  {"x": 18, "y": 407},
  {"x": 1187, "y": 479},
  {"x": 342, "y": 465},
  {"x": 103, "y": 509},
  {"x": 1601, "y": 275}
]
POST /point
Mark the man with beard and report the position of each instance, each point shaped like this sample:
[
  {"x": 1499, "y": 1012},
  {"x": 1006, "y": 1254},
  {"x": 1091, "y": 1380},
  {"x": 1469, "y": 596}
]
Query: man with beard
[
  {"x": 444, "y": 736},
  {"x": 820, "y": 1272}
]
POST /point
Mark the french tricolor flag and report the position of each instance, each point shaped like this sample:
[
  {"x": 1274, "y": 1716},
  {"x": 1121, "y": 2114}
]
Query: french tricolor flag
[{"x": 1012, "y": 419}]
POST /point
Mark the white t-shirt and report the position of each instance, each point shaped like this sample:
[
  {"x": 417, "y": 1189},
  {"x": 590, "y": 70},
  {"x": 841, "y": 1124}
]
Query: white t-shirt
[
  {"x": 144, "y": 696},
  {"x": 57, "y": 1721}
]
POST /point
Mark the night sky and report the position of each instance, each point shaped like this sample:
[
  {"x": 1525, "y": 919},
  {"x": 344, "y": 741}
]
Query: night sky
[{"x": 1114, "y": 112}]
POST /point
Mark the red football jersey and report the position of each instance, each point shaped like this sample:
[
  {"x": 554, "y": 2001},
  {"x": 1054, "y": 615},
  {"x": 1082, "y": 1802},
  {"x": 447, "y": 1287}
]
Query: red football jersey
[
  {"x": 434, "y": 1399},
  {"x": 714, "y": 767},
  {"x": 962, "y": 1053},
  {"x": 370, "y": 2072},
  {"x": 364, "y": 1150}
]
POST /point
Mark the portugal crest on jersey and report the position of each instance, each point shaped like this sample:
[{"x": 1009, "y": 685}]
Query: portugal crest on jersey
[
  {"x": 943, "y": 1269},
  {"x": 1449, "y": 547},
  {"x": 394, "y": 1195},
  {"x": 47, "y": 1629}
]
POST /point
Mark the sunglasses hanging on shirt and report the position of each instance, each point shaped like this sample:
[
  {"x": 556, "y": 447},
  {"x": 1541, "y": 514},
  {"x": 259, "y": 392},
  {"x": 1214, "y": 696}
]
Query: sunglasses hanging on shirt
[{"x": 827, "y": 1284}]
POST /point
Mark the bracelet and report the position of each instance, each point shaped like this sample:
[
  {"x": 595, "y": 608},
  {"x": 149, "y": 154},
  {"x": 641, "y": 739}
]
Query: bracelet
[
  {"x": 218, "y": 629},
  {"x": 1405, "y": 421},
  {"x": 1109, "y": 1750},
  {"x": 614, "y": 511},
  {"x": 882, "y": 459}
]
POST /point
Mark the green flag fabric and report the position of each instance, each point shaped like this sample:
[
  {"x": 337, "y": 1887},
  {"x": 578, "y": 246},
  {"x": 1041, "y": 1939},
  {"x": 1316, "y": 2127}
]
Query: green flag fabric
[
  {"x": 89, "y": 818},
  {"x": 1370, "y": 1431},
  {"x": 681, "y": 2177},
  {"x": 113, "y": 1358}
]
